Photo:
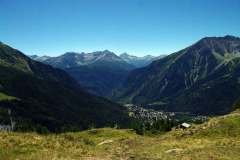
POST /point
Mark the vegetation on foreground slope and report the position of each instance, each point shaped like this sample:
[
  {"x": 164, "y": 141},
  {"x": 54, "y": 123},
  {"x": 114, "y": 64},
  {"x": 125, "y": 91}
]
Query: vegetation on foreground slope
[
  {"x": 4, "y": 97},
  {"x": 216, "y": 139}
]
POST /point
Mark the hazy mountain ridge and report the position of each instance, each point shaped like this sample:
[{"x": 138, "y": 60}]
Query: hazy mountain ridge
[
  {"x": 39, "y": 58},
  {"x": 98, "y": 72},
  {"x": 212, "y": 63},
  {"x": 73, "y": 59},
  {"x": 139, "y": 61}
]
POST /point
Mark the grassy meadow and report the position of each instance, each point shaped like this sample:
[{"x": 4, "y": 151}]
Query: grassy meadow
[{"x": 219, "y": 138}]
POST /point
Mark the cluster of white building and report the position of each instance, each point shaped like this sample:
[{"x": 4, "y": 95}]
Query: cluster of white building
[{"x": 149, "y": 115}]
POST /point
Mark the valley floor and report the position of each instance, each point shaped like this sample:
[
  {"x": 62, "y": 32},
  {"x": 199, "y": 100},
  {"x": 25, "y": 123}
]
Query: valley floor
[{"x": 219, "y": 138}]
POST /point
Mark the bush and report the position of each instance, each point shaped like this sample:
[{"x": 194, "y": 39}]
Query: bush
[{"x": 162, "y": 125}]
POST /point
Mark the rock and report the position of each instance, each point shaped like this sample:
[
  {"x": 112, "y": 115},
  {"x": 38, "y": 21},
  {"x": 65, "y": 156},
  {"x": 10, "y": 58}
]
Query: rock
[
  {"x": 204, "y": 127},
  {"x": 175, "y": 150},
  {"x": 105, "y": 142}
]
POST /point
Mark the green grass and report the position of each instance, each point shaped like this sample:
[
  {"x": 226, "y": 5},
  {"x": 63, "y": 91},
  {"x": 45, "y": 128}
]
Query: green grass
[
  {"x": 218, "y": 138},
  {"x": 4, "y": 97}
]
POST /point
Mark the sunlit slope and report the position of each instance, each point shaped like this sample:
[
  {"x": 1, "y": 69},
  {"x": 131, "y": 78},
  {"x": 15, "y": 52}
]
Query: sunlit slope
[
  {"x": 216, "y": 139},
  {"x": 184, "y": 81}
]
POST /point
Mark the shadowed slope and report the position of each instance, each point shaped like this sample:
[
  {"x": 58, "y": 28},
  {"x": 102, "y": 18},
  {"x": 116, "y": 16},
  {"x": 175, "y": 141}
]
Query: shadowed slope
[{"x": 49, "y": 97}]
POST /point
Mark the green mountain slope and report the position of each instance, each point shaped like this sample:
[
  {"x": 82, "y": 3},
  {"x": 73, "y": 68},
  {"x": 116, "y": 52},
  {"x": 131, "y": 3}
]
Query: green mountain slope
[
  {"x": 49, "y": 97},
  {"x": 185, "y": 80}
]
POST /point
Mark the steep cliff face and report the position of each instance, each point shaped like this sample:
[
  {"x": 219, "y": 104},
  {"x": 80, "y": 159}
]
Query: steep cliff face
[{"x": 168, "y": 79}]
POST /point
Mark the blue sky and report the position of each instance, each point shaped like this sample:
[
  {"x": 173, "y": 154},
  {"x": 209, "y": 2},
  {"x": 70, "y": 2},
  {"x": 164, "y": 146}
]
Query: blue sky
[{"x": 139, "y": 27}]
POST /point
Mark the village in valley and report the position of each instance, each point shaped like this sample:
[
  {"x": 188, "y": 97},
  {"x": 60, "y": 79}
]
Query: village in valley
[
  {"x": 150, "y": 116},
  {"x": 144, "y": 115}
]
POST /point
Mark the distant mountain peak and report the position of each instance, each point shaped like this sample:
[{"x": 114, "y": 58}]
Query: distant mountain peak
[
  {"x": 227, "y": 37},
  {"x": 230, "y": 37},
  {"x": 70, "y": 54},
  {"x": 124, "y": 54},
  {"x": 137, "y": 61},
  {"x": 33, "y": 56},
  {"x": 107, "y": 51},
  {"x": 104, "y": 52},
  {"x": 39, "y": 58},
  {"x": 74, "y": 59},
  {"x": 216, "y": 45},
  {"x": 149, "y": 56}
]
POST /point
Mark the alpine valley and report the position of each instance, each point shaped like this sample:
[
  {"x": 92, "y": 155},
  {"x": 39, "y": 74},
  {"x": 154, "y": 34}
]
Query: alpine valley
[
  {"x": 119, "y": 80},
  {"x": 100, "y": 72},
  {"x": 129, "y": 107},
  {"x": 180, "y": 82}
]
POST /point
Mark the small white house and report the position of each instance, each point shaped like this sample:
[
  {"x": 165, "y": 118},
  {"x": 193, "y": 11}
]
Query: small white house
[{"x": 185, "y": 125}]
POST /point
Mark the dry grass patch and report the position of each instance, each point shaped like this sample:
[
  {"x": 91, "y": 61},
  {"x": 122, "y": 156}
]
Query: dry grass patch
[{"x": 217, "y": 139}]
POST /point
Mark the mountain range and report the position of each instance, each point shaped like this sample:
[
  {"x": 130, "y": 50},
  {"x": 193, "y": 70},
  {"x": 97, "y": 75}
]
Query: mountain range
[
  {"x": 202, "y": 79},
  {"x": 100, "y": 72},
  {"x": 42, "y": 97}
]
